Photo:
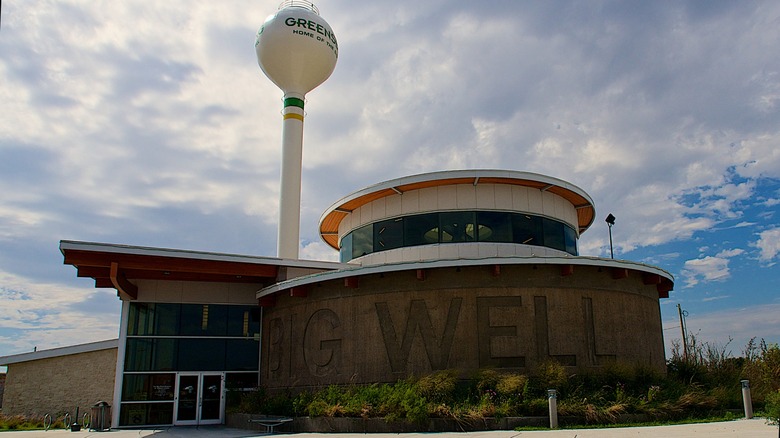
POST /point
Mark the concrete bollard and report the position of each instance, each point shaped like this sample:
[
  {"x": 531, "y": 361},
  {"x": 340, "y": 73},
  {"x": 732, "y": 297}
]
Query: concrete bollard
[
  {"x": 552, "y": 400},
  {"x": 746, "y": 400}
]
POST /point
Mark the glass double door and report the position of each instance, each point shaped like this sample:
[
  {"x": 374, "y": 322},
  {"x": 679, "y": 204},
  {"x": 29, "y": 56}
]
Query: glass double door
[{"x": 200, "y": 398}]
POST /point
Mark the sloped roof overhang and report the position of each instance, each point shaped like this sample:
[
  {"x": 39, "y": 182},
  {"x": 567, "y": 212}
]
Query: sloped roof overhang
[{"x": 117, "y": 266}]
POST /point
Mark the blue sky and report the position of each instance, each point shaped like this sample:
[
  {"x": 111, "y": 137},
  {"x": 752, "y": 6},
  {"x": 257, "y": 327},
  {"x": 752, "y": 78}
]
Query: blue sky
[{"x": 150, "y": 123}]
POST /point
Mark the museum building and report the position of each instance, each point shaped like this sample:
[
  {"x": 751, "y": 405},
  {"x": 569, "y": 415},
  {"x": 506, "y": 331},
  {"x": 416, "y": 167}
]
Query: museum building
[{"x": 459, "y": 270}]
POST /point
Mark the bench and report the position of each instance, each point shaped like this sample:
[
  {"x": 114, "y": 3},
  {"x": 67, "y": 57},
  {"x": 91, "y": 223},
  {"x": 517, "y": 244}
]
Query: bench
[{"x": 270, "y": 421}]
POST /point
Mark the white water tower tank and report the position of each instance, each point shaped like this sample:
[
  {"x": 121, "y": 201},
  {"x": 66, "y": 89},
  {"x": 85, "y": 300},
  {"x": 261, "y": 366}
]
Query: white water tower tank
[{"x": 296, "y": 48}]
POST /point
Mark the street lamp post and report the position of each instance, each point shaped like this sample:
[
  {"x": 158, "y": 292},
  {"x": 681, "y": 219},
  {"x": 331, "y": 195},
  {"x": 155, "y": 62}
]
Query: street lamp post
[{"x": 610, "y": 221}]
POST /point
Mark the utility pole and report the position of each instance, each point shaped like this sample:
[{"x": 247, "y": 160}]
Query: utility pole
[{"x": 682, "y": 314}]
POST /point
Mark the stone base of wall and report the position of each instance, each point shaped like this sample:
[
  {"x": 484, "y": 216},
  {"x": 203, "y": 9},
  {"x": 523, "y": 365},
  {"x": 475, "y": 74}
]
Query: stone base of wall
[{"x": 379, "y": 425}]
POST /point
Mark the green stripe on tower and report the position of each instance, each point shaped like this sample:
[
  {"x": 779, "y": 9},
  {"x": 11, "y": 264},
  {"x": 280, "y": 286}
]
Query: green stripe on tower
[{"x": 293, "y": 101}]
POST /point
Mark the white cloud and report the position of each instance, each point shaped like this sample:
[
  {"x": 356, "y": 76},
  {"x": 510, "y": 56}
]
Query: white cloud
[
  {"x": 769, "y": 244},
  {"x": 728, "y": 253},
  {"x": 719, "y": 297},
  {"x": 47, "y": 315},
  {"x": 708, "y": 268},
  {"x": 318, "y": 251},
  {"x": 705, "y": 269}
]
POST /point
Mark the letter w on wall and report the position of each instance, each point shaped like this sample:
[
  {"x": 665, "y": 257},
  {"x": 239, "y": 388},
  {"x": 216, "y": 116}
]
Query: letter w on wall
[{"x": 437, "y": 348}]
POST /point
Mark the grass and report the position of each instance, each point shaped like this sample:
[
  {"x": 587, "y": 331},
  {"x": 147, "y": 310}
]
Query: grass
[{"x": 19, "y": 422}]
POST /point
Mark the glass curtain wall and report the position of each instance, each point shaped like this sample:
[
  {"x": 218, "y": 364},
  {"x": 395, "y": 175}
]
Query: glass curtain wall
[{"x": 166, "y": 338}]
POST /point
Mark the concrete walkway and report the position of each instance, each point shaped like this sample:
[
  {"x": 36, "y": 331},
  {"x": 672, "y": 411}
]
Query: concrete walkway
[{"x": 755, "y": 428}]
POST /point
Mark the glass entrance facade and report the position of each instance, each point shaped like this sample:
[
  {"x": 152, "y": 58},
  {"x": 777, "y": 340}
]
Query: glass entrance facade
[{"x": 165, "y": 340}]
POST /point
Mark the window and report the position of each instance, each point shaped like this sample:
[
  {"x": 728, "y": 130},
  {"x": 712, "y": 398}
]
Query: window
[
  {"x": 243, "y": 321},
  {"x": 527, "y": 229},
  {"x": 201, "y": 354},
  {"x": 242, "y": 355},
  {"x": 458, "y": 227},
  {"x": 203, "y": 320},
  {"x": 570, "y": 239},
  {"x": 150, "y": 354},
  {"x": 553, "y": 234},
  {"x": 345, "y": 248},
  {"x": 161, "y": 319},
  {"x": 146, "y": 414},
  {"x": 363, "y": 241},
  {"x": 421, "y": 229},
  {"x": 145, "y": 387},
  {"x": 494, "y": 226},
  {"x": 389, "y": 234}
]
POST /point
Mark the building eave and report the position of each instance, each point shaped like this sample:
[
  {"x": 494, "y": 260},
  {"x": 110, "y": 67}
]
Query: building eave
[
  {"x": 120, "y": 266},
  {"x": 58, "y": 352}
]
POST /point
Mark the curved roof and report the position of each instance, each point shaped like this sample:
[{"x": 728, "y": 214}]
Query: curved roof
[
  {"x": 330, "y": 220},
  {"x": 663, "y": 280}
]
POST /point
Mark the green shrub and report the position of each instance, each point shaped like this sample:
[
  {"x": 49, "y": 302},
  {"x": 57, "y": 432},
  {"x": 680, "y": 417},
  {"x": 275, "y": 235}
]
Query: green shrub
[
  {"x": 772, "y": 409},
  {"x": 439, "y": 386},
  {"x": 512, "y": 385},
  {"x": 552, "y": 374}
]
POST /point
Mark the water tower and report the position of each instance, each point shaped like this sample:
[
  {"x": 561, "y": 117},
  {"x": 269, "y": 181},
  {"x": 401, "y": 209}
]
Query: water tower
[{"x": 297, "y": 50}]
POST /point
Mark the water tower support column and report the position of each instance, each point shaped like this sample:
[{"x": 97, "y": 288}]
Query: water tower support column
[{"x": 290, "y": 195}]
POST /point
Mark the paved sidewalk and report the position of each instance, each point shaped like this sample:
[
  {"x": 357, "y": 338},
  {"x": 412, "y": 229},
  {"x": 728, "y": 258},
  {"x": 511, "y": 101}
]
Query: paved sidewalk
[{"x": 755, "y": 428}]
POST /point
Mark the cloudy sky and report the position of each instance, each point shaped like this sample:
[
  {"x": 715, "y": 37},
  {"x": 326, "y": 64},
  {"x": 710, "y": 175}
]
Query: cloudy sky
[{"x": 150, "y": 123}]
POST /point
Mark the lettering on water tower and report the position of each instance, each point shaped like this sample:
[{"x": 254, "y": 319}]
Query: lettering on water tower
[{"x": 312, "y": 29}]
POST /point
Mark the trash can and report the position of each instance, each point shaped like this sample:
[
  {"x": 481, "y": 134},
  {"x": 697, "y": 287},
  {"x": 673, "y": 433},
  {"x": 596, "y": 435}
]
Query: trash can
[{"x": 101, "y": 417}]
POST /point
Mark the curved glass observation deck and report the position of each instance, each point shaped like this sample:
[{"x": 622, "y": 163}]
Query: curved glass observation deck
[
  {"x": 458, "y": 227},
  {"x": 507, "y": 213}
]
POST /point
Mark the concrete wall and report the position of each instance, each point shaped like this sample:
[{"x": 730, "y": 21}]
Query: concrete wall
[
  {"x": 470, "y": 250},
  {"x": 60, "y": 384},
  {"x": 394, "y": 325},
  {"x": 159, "y": 291}
]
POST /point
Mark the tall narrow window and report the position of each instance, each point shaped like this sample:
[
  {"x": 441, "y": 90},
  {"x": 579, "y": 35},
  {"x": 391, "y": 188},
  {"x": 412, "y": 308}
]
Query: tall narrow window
[{"x": 363, "y": 241}]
